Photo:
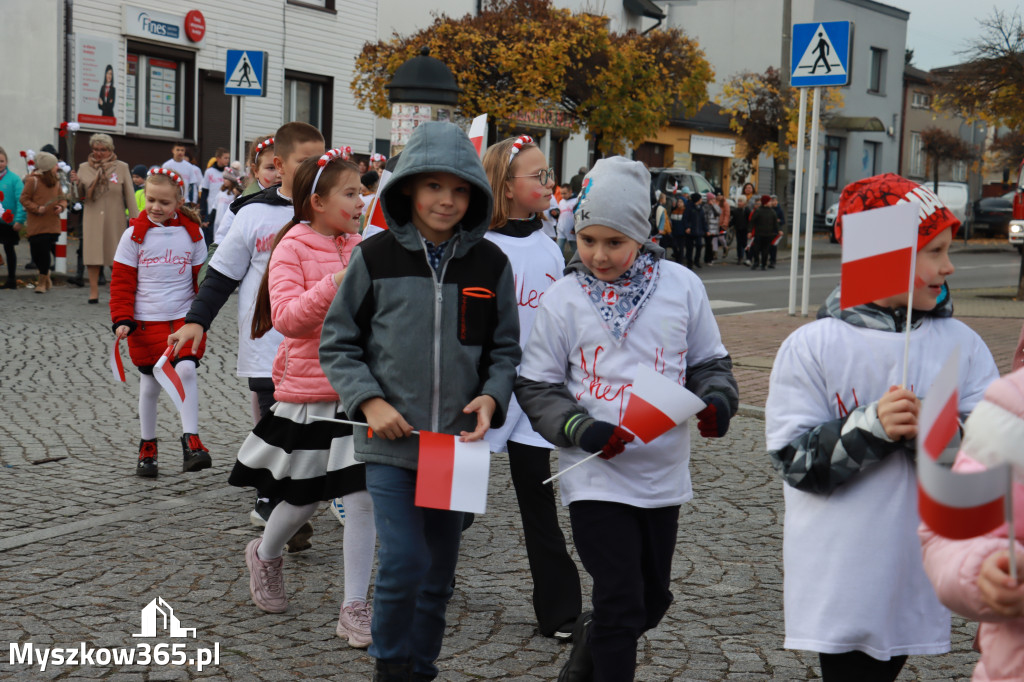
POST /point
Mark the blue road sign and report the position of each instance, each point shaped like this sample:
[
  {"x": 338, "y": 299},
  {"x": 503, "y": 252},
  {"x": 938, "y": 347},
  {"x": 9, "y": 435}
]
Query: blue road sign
[
  {"x": 246, "y": 73},
  {"x": 820, "y": 54}
]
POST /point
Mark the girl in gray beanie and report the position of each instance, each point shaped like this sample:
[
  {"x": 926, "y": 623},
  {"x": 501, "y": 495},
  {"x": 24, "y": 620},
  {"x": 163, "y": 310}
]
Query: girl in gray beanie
[{"x": 619, "y": 304}]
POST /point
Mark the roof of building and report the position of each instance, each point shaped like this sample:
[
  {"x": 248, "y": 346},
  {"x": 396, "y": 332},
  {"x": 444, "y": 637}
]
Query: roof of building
[
  {"x": 916, "y": 75},
  {"x": 709, "y": 117}
]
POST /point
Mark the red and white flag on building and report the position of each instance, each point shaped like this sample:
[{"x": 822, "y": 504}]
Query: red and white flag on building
[
  {"x": 452, "y": 475},
  {"x": 878, "y": 253},
  {"x": 657, "y": 404},
  {"x": 478, "y": 134},
  {"x": 116, "y": 366},
  {"x": 954, "y": 505},
  {"x": 166, "y": 375}
]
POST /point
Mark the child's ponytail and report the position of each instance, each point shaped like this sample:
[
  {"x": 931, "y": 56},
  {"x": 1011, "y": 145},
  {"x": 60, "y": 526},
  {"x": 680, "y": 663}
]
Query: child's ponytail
[{"x": 262, "y": 320}]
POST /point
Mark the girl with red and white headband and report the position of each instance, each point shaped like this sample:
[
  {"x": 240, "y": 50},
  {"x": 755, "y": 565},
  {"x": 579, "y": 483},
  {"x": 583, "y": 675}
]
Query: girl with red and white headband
[{"x": 152, "y": 286}]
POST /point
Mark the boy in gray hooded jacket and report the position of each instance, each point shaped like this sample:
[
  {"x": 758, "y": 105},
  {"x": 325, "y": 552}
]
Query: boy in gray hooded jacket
[{"x": 423, "y": 334}]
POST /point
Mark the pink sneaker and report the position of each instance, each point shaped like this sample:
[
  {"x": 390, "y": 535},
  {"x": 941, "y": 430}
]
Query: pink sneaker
[
  {"x": 266, "y": 581},
  {"x": 354, "y": 624}
]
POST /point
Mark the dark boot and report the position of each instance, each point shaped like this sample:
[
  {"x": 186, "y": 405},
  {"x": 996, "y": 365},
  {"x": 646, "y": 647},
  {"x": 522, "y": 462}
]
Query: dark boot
[
  {"x": 392, "y": 672},
  {"x": 147, "y": 467},
  {"x": 580, "y": 666},
  {"x": 195, "y": 454}
]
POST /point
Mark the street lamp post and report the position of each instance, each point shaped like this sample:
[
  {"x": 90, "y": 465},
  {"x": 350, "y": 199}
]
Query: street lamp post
[{"x": 422, "y": 89}]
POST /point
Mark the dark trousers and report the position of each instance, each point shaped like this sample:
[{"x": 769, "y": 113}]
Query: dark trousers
[
  {"x": 857, "y": 666},
  {"x": 691, "y": 247},
  {"x": 741, "y": 246},
  {"x": 263, "y": 387},
  {"x": 9, "y": 238},
  {"x": 39, "y": 246},
  {"x": 709, "y": 248},
  {"x": 759, "y": 251},
  {"x": 773, "y": 252},
  {"x": 557, "y": 598},
  {"x": 628, "y": 552}
]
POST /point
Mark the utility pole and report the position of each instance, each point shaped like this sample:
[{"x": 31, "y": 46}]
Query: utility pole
[{"x": 782, "y": 159}]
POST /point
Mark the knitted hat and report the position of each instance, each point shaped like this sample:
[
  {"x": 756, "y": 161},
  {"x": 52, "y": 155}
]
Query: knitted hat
[
  {"x": 710, "y": 196},
  {"x": 993, "y": 432},
  {"x": 765, "y": 200},
  {"x": 140, "y": 170},
  {"x": 616, "y": 193},
  {"x": 45, "y": 161},
  {"x": 888, "y": 189}
]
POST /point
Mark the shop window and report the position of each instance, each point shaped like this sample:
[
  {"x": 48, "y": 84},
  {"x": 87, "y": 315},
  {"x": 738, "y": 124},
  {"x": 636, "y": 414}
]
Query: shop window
[
  {"x": 308, "y": 98},
  {"x": 916, "y": 156},
  {"x": 832, "y": 145},
  {"x": 155, "y": 94}
]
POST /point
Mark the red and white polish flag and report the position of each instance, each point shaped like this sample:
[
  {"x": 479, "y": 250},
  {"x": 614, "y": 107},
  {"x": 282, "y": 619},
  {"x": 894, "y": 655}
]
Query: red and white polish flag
[
  {"x": 452, "y": 475},
  {"x": 478, "y": 134},
  {"x": 166, "y": 375},
  {"x": 116, "y": 365},
  {"x": 376, "y": 209},
  {"x": 878, "y": 253},
  {"x": 657, "y": 404},
  {"x": 954, "y": 505}
]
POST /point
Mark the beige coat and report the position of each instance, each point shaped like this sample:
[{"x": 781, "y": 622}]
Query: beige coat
[{"x": 104, "y": 219}]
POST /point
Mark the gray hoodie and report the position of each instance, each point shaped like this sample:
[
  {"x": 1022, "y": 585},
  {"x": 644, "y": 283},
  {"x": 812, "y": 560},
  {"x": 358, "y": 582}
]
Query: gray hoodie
[{"x": 426, "y": 342}]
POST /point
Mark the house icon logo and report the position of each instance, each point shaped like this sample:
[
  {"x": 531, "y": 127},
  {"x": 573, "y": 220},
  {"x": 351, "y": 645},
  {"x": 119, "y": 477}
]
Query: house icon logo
[{"x": 157, "y": 615}]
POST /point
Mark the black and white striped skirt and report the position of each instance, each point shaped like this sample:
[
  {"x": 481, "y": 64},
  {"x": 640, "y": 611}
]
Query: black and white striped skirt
[{"x": 291, "y": 456}]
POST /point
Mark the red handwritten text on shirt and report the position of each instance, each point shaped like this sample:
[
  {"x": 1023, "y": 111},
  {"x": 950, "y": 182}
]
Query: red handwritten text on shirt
[
  {"x": 594, "y": 385},
  {"x": 184, "y": 260}
]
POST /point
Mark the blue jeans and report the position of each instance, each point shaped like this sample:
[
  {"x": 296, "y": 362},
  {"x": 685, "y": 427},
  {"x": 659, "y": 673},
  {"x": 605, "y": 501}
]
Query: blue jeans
[{"x": 419, "y": 549}]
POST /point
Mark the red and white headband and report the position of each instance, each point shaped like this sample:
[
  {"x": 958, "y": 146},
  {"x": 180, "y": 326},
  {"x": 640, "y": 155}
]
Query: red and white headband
[
  {"x": 517, "y": 146},
  {"x": 269, "y": 142},
  {"x": 169, "y": 173},
  {"x": 343, "y": 153},
  {"x": 375, "y": 157}
]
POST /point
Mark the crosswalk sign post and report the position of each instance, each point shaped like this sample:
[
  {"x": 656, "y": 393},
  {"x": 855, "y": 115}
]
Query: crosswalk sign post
[
  {"x": 820, "y": 56},
  {"x": 246, "y": 73}
]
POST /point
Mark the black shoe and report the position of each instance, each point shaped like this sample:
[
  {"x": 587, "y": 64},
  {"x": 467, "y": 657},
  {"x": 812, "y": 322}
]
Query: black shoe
[
  {"x": 563, "y": 633},
  {"x": 195, "y": 454},
  {"x": 147, "y": 467},
  {"x": 260, "y": 513},
  {"x": 392, "y": 672},
  {"x": 10, "y": 284},
  {"x": 580, "y": 666},
  {"x": 300, "y": 541},
  {"x": 31, "y": 265},
  {"x": 771, "y": 266},
  {"x": 77, "y": 281}
]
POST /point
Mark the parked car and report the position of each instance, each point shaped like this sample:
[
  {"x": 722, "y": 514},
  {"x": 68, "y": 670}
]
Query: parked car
[
  {"x": 955, "y": 195},
  {"x": 994, "y": 213},
  {"x": 830, "y": 221},
  {"x": 665, "y": 179}
]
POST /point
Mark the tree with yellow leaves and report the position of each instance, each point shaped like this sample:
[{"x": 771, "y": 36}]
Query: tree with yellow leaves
[{"x": 517, "y": 56}]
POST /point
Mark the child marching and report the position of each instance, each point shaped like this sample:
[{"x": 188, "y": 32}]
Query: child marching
[
  {"x": 152, "y": 285},
  {"x": 839, "y": 430},
  {"x": 621, "y": 304},
  {"x": 521, "y": 182},
  {"x": 289, "y": 456},
  {"x": 423, "y": 334}
]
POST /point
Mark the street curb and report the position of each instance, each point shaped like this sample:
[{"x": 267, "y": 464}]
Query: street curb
[{"x": 750, "y": 411}]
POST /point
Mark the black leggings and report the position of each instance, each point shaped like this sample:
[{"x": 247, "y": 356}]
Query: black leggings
[
  {"x": 40, "y": 245},
  {"x": 857, "y": 666},
  {"x": 9, "y": 238}
]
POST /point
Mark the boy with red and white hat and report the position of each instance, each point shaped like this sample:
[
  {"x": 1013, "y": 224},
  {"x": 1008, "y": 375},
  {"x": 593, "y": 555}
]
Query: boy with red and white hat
[{"x": 841, "y": 434}]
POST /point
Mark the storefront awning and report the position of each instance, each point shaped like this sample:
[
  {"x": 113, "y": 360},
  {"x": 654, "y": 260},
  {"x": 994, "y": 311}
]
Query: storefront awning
[
  {"x": 856, "y": 124},
  {"x": 644, "y": 8}
]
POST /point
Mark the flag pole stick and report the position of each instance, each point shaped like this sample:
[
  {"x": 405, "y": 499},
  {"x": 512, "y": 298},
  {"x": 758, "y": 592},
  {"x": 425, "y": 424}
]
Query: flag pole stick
[
  {"x": 1008, "y": 501},
  {"x": 910, "y": 312},
  {"x": 582, "y": 461},
  {"x": 345, "y": 421}
]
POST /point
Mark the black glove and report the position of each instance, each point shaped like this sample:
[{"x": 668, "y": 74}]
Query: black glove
[
  {"x": 595, "y": 436},
  {"x": 713, "y": 420}
]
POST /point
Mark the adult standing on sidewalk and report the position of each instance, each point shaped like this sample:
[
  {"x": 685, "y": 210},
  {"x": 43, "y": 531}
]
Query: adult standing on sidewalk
[
  {"x": 766, "y": 227},
  {"x": 43, "y": 201},
  {"x": 105, "y": 186}
]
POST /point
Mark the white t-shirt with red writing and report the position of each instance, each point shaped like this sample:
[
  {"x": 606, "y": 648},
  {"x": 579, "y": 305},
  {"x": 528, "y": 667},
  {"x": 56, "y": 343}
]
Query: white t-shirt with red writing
[
  {"x": 568, "y": 344},
  {"x": 536, "y": 264},
  {"x": 164, "y": 261},
  {"x": 243, "y": 256},
  {"x": 854, "y": 579}
]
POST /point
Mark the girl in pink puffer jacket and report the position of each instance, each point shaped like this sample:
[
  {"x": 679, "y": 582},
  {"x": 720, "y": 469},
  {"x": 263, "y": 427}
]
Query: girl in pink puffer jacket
[
  {"x": 972, "y": 577},
  {"x": 290, "y": 455}
]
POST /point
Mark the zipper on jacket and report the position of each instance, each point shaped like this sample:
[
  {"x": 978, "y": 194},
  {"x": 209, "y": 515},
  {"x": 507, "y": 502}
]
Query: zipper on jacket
[{"x": 438, "y": 279}]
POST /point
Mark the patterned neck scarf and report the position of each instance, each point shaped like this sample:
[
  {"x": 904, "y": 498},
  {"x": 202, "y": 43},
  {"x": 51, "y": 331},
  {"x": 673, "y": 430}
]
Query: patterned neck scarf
[
  {"x": 619, "y": 303},
  {"x": 435, "y": 253}
]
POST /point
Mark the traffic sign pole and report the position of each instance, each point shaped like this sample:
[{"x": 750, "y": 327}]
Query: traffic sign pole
[
  {"x": 795, "y": 241},
  {"x": 811, "y": 180}
]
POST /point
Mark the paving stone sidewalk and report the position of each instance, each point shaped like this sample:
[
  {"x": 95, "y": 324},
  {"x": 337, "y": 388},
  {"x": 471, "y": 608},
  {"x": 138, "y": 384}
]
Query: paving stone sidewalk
[{"x": 85, "y": 545}]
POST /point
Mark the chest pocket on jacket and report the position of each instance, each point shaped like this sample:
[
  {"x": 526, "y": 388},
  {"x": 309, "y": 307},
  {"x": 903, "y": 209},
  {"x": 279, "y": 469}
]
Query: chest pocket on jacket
[{"x": 477, "y": 310}]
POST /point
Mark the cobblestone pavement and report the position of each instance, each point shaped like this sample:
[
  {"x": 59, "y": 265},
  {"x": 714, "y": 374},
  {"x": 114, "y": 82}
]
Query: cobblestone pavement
[{"x": 84, "y": 544}]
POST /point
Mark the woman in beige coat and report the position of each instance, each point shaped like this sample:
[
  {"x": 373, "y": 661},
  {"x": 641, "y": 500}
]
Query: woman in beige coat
[{"x": 105, "y": 187}]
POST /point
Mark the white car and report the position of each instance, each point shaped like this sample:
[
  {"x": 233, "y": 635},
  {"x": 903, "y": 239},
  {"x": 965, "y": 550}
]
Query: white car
[{"x": 830, "y": 221}]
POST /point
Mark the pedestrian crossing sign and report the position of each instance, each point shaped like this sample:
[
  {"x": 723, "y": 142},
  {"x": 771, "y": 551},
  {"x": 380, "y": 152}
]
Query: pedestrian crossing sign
[
  {"x": 246, "y": 73},
  {"x": 820, "y": 54}
]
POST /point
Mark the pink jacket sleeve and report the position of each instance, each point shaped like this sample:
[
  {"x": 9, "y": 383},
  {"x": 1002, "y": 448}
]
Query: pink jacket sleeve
[{"x": 296, "y": 312}]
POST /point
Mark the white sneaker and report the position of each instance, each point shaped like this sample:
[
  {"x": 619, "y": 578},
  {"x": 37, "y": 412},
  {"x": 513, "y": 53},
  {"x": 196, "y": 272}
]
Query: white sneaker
[
  {"x": 338, "y": 509},
  {"x": 354, "y": 625}
]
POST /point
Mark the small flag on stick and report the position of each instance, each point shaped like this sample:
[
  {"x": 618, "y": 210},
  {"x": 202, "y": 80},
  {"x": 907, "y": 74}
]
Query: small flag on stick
[
  {"x": 451, "y": 474},
  {"x": 478, "y": 134},
  {"x": 376, "y": 212},
  {"x": 878, "y": 253},
  {"x": 657, "y": 404},
  {"x": 116, "y": 366},
  {"x": 954, "y": 505},
  {"x": 166, "y": 375}
]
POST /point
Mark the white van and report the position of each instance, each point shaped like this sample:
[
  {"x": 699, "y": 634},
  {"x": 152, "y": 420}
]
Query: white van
[{"x": 956, "y": 196}]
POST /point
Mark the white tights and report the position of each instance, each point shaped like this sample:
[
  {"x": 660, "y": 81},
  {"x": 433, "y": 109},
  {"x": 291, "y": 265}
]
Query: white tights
[
  {"x": 281, "y": 526},
  {"x": 149, "y": 395}
]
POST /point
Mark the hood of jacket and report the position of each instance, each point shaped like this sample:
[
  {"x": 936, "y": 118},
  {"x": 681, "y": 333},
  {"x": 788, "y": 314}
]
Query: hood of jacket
[
  {"x": 438, "y": 147},
  {"x": 871, "y": 316}
]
